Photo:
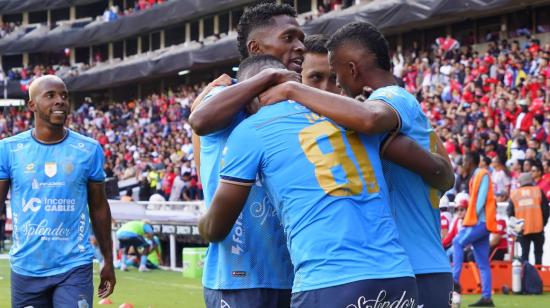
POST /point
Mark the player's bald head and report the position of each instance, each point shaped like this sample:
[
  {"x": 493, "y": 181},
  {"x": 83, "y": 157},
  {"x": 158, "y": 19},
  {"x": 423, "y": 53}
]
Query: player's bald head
[{"x": 41, "y": 84}]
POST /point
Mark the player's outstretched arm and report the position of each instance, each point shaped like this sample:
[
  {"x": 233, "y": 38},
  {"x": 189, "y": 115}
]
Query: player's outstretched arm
[
  {"x": 434, "y": 168},
  {"x": 379, "y": 117},
  {"x": 218, "y": 111},
  {"x": 100, "y": 216},
  {"x": 224, "y": 210}
]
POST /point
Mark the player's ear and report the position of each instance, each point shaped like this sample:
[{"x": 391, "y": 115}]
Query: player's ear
[
  {"x": 353, "y": 70},
  {"x": 253, "y": 47},
  {"x": 31, "y": 105}
]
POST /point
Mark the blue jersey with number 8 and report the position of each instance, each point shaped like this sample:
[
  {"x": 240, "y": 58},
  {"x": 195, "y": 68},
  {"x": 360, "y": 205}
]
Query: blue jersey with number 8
[{"x": 328, "y": 188}]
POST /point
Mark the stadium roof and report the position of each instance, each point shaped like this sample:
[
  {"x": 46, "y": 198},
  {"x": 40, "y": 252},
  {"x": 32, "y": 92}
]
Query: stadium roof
[
  {"x": 20, "y": 6},
  {"x": 99, "y": 32},
  {"x": 387, "y": 14},
  {"x": 162, "y": 62}
]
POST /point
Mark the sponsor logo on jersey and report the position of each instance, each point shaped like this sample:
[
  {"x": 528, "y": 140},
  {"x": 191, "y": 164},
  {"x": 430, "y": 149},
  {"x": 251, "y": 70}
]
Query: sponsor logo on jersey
[
  {"x": 237, "y": 248},
  {"x": 35, "y": 184},
  {"x": 46, "y": 232},
  {"x": 33, "y": 204},
  {"x": 224, "y": 304},
  {"x": 405, "y": 301},
  {"x": 80, "y": 146},
  {"x": 50, "y": 205},
  {"x": 30, "y": 168},
  {"x": 238, "y": 274},
  {"x": 38, "y": 185},
  {"x": 18, "y": 148},
  {"x": 50, "y": 169}
]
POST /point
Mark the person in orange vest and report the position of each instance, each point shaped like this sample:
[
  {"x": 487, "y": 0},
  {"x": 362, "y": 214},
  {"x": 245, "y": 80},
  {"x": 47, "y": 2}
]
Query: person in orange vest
[
  {"x": 479, "y": 222},
  {"x": 529, "y": 203}
]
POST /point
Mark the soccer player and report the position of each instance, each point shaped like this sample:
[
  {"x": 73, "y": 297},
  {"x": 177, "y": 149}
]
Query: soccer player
[
  {"x": 56, "y": 180},
  {"x": 251, "y": 267},
  {"x": 479, "y": 221},
  {"x": 136, "y": 234},
  {"x": 328, "y": 191},
  {"x": 359, "y": 56},
  {"x": 315, "y": 69},
  {"x": 263, "y": 29}
]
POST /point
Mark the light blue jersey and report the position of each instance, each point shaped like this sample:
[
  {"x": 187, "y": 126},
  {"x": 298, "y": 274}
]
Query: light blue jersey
[
  {"x": 254, "y": 254},
  {"x": 329, "y": 191},
  {"x": 415, "y": 205},
  {"x": 49, "y": 201}
]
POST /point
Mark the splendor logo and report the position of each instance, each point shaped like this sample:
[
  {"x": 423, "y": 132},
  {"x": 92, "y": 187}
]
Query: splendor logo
[
  {"x": 42, "y": 229},
  {"x": 50, "y": 205}
]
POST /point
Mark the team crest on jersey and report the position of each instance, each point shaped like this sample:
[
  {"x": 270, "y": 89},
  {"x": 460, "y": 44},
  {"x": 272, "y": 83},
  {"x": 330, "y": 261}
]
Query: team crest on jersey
[
  {"x": 50, "y": 168},
  {"x": 68, "y": 167}
]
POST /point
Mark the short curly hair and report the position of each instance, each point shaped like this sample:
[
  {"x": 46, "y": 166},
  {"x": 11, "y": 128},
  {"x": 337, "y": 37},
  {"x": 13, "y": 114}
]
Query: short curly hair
[
  {"x": 257, "y": 63},
  {"x": 258, "y": 16},
  {"x": 316, "y": 43},
  {"x": 367, "y": 36}
]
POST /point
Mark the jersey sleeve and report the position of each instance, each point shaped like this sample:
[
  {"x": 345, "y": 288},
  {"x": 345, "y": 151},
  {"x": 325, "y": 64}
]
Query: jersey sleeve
[
  {"x": 97, "y": 174},
  {"x": 402, "y": 108},
  {"x": 238, "y": 118},
  {"x": 242, "y": 157},
  {"x": 4, "y": 161}
]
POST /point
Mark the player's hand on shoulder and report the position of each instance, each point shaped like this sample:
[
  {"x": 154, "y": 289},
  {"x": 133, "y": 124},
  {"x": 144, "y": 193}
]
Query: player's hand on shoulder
[
  {"x": 278, "y": 93},
  {"x": 223, "y": 80},
  {"x": 281, "y": 75},
  {"x": 108, "y": 280}
]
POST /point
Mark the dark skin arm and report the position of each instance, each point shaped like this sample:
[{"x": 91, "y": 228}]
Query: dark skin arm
[
  {"x": 379, "y": 117},
  {"x": 545, "y": 208},
  {"x": 224, "y": 210},
  {"x": 218, "y": 111},
  {"x": 435, "y": 169},
  {"x": 100, "y": 216},
  {"x": 4, "y": 188},
  {"x": 223, "y": 80}
]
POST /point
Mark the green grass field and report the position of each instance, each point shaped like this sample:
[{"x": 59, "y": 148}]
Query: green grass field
[{"x": 164, "y": 289}]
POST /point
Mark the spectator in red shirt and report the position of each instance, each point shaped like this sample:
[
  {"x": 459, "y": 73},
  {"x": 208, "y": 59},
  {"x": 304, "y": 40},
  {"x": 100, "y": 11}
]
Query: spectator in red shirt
[
  {"x": 498, "y": 241},
  {"x": 461, "y": 204},
  {"x": 524, "y": 119},
  {"x": 542, "y": 180}
]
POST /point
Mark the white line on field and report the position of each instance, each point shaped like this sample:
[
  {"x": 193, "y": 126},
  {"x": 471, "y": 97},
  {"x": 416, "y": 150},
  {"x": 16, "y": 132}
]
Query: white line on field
[{"x": 190, "y": 286}]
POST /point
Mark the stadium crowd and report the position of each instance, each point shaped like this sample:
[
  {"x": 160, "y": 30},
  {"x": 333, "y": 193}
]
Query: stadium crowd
[
  {"x": 113, "y": 13},
  {"x": 7, "y": 28},
  {"x": 147, "y": 139},
  {"x": 495, "y": 102}
]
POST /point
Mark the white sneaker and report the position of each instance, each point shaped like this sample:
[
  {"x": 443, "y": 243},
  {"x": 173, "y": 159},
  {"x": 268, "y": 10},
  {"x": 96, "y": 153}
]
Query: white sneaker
[
  {"x": 144, "y": 269},
  {"x": 456, "y": 300},
  {"x": 123, "y": 267}
]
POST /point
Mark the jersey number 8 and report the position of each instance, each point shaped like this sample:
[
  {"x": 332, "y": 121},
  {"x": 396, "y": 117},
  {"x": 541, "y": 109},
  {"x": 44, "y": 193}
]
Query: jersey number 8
[{"x": 325, "y": 162}]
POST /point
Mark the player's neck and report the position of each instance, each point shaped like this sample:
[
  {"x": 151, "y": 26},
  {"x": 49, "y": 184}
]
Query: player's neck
[
  {"x": 49, "y": 134},
  {"x": 383, "y": 79}
]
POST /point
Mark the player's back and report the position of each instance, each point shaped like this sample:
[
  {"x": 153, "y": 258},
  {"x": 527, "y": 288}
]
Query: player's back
[
  {"x": 328, "y": 189},
  {"x": 415, "y": 205},
  {"x": 254, "y": 254}
]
